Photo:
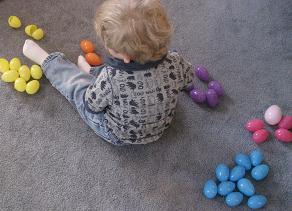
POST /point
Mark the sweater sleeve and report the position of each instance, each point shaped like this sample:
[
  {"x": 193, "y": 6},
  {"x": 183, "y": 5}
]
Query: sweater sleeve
[
  {"x": 99, "y": 94},
  {"x": 187, "y": 69}
]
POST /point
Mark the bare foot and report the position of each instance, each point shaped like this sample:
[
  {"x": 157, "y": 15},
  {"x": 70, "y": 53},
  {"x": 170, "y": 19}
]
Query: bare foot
[
  {"x": 83, "y": 65},
  {"x": 34, "y": 52}
]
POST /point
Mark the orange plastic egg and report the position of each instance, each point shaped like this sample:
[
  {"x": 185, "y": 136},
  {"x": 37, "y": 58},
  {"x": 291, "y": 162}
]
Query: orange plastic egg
[
  {"x": 87, "y": 46},
  {"x": 93, "y": 59}
]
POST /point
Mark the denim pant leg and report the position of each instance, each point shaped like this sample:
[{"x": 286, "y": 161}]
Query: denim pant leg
[{"x": 72, "y": 83}]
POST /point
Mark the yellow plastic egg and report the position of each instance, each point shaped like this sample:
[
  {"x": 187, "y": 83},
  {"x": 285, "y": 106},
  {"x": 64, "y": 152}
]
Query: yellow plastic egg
[
  {"x": 14, "y": 22},
  {"x": 32, "y": 87},
  {"x": 36, "y": 72},
  {"x": 15, "y": 64},
  {"x": 20, "y": 84},
  {"x": 30, "y": 29},
  {"x": 38, "y": 34},
  {"x": 10, "y": 76},
  {"x": 24, "y": 72},
  {"x": 4, "y": 65}
]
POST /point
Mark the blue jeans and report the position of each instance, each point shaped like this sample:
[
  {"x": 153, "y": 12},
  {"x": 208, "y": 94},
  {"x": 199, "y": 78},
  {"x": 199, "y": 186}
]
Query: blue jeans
[{"x": 72, "y": 83}]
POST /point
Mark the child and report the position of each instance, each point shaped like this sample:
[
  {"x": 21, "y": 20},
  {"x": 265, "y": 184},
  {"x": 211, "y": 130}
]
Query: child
[{"x": 131, "y": 99}]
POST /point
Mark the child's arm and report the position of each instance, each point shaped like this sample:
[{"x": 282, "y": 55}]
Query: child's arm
[
  {"x": 187, "y": 69},
  {"x": 99, "y": 94}
]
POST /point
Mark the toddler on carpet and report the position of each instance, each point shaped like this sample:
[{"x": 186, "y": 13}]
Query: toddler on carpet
[{"x": 131, "y": 98}]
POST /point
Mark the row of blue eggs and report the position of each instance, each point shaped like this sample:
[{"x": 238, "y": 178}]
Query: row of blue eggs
[{"x": 245, "y": 186}]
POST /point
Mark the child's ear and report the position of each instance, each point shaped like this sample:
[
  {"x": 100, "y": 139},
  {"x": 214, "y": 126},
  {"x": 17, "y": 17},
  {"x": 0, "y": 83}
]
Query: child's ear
[{"x": 127, "y": 59}]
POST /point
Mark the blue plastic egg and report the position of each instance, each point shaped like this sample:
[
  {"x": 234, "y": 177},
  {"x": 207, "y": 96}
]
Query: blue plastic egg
[
  {"x": 222, "y": 172},
  {"x": 225, "y": 188},
  {"x": 210, "y": 189},
  {"x": 260, "y": 172},
  {"x": 257, "y": 201},
  {"x": 243, "y": 160},
  {"x": 246, "y": 187},
  {"x": 234, "y": 199},
  {"x": 256, "y": 157},
  {"x": 237, "y": 173}
]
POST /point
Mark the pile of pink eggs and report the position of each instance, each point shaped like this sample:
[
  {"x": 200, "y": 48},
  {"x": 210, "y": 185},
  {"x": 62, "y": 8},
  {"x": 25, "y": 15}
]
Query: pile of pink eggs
[
  {"x": 273, "y": 116},
  {"x": 211, "y": 96}
]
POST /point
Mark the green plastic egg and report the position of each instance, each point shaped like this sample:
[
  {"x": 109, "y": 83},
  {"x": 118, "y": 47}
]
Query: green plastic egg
[
  {"x": 20, "y": 84},
  {"x": 38, "y": 34},
  {"x": 10, "y": 76},
  {"x": 36, "y": 72},
  {"x": 15, "y": 64},
  {"x": 32, "y": 87},
  {"x": 24, "y": 72},
  {"x": 14, "y": 22},
  {"x": 4, "y": 65},
  {"x": 30, "y": 29}
]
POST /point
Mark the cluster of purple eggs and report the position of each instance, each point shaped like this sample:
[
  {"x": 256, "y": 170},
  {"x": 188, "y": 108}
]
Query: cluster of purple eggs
[{"x": 211, "y": 96}]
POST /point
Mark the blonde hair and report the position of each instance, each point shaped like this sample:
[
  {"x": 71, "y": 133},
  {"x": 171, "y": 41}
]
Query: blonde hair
[{"x": 138, "y": 28}]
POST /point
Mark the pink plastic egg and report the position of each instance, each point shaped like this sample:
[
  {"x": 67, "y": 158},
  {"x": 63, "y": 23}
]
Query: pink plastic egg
[
  {"x": 286, "y": 122},
  {"x": 283, "y": 135},
  {"x": 273, "y": 115},
  {"x": 260, "y": 136},
  {"x": 254, "y": 125}
]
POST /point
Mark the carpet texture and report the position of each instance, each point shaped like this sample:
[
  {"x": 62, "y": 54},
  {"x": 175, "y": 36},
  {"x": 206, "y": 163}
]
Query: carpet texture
[{"x": 50, "y": 160}]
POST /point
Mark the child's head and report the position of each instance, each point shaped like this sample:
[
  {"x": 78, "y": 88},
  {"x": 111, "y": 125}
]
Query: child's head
[{"x": 138, "y": 29}]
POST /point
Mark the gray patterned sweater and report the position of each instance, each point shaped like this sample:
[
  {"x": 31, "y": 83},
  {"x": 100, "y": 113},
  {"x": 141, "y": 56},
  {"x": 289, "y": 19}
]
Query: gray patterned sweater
[{"x": 139, "y": 101}]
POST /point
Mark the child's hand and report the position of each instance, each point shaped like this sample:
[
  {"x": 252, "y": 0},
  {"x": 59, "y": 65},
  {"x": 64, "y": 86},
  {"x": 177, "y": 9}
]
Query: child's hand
[{"x": 83, "y": 65}]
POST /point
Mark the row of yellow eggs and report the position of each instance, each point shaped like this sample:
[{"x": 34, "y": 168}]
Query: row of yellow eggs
[
  {"x": 31, "y": 30},
  {"x": 13, "y": 71}
]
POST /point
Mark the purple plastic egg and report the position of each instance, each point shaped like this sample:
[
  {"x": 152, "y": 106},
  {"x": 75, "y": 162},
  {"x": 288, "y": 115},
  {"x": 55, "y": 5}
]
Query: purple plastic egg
[
  {"x": 217, "y": 87},
  {"x": 212, "y": 98},
  {"x": 198, "y": 96},
  {"x": 202, "y": 73}
]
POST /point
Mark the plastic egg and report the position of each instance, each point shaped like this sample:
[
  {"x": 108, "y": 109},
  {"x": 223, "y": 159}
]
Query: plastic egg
[
  {"x": 286, "y": 122},
  {"x": 10, "y": 76},
  {"x": 260, "y": 136},
  {"x": 198, "y": 96},
  {"x": 273, "y": 115},
  {"x": 225, "y": 188},
  {"x": 30, "y": 29},
  {"x": 257, "y": 201},
  {"x": 32, "y": 87},
  {"x": 243, "y": 160},
  {"x": 222, "y": 172},
  {"x": 20, "y": 84},
  {"x": 256, "y": 157},
  {"x": 237, "y": 173},
  {"x": 38, "y": 34},
  {"x": 14, "y": 22},
  {"x": 36, "y": 72},
  {"x": 202, "y": 73},
  {"x": 212, "y": 98},
  {"x": 217, "y": 87},
  {"x": 24, "y": 72},
  {"x": 87, "y": 46},
  {"x": 210, "y": 189},
  {"x": 93, "y": 59},
  {"x": 246, "y": 187},
  {"x": 283, "y": 135},
  {"x": 4, "y": 65},
  {"x": 234, "y": 199},
  {"x": 254, "y": 125},
  {"x": 260, "y": 172},
  {"x": 15, "y": 64}
]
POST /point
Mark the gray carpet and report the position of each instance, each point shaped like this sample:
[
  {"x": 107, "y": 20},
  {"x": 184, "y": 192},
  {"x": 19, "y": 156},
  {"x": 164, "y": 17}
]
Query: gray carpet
[{"x": 50, "y": 160}]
